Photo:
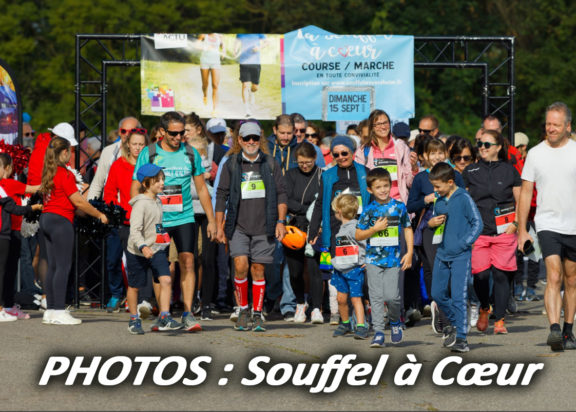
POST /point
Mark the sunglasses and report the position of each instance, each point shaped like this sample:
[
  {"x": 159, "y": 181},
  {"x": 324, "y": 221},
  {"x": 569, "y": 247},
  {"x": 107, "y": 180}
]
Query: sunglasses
[
  {"x": 460, "y": 158},
  {"x": 140, "y": 130},
  {"x": 254, "y": 137},
  {"x": 311, "y": 135},
  {"x": 424, "y": 130},
  {"x": 300, "y": 130},
  {"x": 176, "y": 133},
  {"x": 29, "y": 134},
  {"x": 337, "y": 155},
  {"x": 487, "y": 145}
]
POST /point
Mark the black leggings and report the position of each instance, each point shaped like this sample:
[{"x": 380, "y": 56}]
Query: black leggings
[
  {"x": 12, "y": 268},
  {"x": 296, "y": 261},
  {"x": 208, "y": 261},
  {"x": 4, "y": 253},
  {"x": 58, "y": 234},
  {"x": 502, "y": 281}
]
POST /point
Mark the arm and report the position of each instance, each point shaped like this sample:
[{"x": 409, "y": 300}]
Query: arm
[
  {"x": 206, "y": 203},
  {"x": 406, "y": 261},
  {"x": 9, "y": 205},
  {"x": 222, "y": 193},
  {"x": 99, "y": 180},
  {"x": 512, "y": 228},
  {"x": 82, "y": 204},
  {"x": 32, "y": 189},
  {"x": 136, "y": 230},
  {"x": 523, "y": 208},
  {"x": 282, "y": 199},
  {"x": 475, "y": 221},
  {"x": 135, "y": 188},
  {"x": 316, "y": 221},
  {"x": 111, "y": 187}
]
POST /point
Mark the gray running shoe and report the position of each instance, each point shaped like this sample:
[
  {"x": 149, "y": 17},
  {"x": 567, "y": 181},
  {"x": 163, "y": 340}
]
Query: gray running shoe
[
  {"x": 242, "y": 322},
  {"x": 135, "y": 327}
]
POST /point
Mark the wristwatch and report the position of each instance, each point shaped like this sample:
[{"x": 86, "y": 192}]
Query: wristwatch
[{"x": 283, "y": 221}]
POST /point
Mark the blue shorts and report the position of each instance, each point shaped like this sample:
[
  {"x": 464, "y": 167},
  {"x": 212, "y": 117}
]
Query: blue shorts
[
  {"x": 351, "y": 282},
  {"x": 138, "y": 266}
]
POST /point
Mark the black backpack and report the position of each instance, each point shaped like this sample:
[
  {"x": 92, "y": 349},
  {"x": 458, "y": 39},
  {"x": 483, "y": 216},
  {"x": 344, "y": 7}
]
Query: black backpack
[{"x": 189, "y": 152}]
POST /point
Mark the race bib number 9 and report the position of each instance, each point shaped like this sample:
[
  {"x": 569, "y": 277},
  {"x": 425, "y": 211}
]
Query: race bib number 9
[
  {"x": 252, "y": 186},
  {"x": 171, "y": 198},
  {"x": 504, "y": 215},
  {"x": 389, "y": 164},
  {"x": 388, "y": 236}
]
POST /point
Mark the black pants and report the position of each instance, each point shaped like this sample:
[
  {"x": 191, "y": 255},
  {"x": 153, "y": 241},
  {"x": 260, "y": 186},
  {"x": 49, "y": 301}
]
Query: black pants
[
  {"x": 58, "y": 234},
  {"x": 502, "y": 281},
  {"x": 208, "y": 260},
  {"x": 4, "y": 253},
  {"x": 12, "y": 268},
  {"x": 296, "y": 261}
]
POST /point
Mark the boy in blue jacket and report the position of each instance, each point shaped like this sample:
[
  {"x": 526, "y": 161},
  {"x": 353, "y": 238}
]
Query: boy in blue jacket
[{"x": 457, "y": 224}]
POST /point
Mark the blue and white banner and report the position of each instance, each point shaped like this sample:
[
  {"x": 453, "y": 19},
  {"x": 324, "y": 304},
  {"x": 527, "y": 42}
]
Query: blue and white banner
[{"x": 343, "y": 77}]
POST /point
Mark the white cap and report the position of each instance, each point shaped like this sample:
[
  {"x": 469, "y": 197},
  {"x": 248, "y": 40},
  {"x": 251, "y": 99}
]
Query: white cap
[
  {"x": 413, "y": 134},
  {"x": 65, "y": 131},
  {"x": 216, "y": 125},
  {"x": 520, "y": 139}
]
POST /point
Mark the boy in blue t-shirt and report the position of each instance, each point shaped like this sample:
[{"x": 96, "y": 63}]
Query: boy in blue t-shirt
[
  {"x": 381, "y": 222},
  {"x": 458, "y": 223}
]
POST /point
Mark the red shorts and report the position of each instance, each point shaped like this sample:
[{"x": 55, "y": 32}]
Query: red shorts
[{"x": 498, "y": 251}]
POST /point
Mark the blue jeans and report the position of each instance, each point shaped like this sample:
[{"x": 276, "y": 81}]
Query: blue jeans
[
  {"x": 278, "y": 282},
  {"x": 288, "y": 301},
  {"x": 114, "y": 264},
  {"x": 27, "y": 252}
]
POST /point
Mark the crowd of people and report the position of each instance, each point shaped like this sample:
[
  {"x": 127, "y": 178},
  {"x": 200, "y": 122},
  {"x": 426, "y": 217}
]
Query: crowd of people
[{"x": 367, "y": 231}]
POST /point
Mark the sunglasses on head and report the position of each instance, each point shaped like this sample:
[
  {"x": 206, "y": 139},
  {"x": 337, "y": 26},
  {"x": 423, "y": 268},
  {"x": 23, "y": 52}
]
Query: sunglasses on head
[
  {"x": 140, "y": 130},
  {"x": 253, "y": 137},
  {"x": 176, "y": 133},
  {"x": 311, "y": 135},
  {"x": 487, "y": 145},
  {"x": 460, "y": 158},
  {"x": 337, "y": 155}
]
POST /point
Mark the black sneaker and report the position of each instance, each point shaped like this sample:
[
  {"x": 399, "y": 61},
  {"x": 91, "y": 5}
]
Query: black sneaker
[
  {"x": 207, "y": 314},
  {"x": 569, "y": 342},
  {"x": 461, "y": 345},
  {"x": 289, "y": 316},
  {"x": 555, "y": 341},
  {"x": 413, "y": 316},
  {"x": 437, "y": 326},
  {"x": 242, "y": 322},
  {"x": 449, "y": 336}
]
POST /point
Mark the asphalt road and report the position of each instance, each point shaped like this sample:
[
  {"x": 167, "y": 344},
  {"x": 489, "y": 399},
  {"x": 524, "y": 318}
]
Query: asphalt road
[{"x": 27, "y": 346}]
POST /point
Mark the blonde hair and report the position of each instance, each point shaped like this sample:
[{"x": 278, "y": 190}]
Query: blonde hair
[
  {"x": 51, "y": 162},
  {"x": 346, "y": 204},
  {"x": 126, "y": 144}
]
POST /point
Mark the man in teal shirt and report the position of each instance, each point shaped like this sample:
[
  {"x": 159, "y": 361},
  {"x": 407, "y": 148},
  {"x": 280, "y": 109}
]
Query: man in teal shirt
[{"x": 178, "y": 214}]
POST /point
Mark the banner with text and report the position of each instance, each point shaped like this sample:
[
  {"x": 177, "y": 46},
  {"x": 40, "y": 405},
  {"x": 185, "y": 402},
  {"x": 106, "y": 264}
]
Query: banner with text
[
  {"x": 343, "y": 77},
  {"x": 9, "y": 107}
]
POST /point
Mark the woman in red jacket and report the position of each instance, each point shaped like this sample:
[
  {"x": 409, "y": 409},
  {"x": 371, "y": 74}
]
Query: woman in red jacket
[{"x": 61, "y": 200}]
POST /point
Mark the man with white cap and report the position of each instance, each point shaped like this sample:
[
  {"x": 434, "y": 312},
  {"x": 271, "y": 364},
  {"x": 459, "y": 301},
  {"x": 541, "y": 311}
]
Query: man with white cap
[{"x": 252, "y": 195}]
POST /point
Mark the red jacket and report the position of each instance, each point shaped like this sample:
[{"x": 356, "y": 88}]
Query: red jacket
[
  {"x": 119, "y": 182},
  {"x": 36, "y": 163}
]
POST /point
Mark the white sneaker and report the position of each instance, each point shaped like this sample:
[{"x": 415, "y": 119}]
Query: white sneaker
[
  {"x": 6, "y": 317},
  {"x": 473, "y": 315},
  {"x": 300, "y": 315},
  {"x": 234, "y": 315},
  {"x": 64, "y": 318},
  {"x": 316, "y": 317},
  {"x": 144, "y": 309},
  {"x": 47, "y": 318}
]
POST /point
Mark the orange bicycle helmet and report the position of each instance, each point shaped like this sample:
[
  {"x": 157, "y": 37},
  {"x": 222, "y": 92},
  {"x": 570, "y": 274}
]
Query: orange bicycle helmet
[{"x": 295, "y": 239}]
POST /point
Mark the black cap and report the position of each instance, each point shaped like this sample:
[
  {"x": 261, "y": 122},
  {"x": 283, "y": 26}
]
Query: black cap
[{"x": 401, "y": 129}]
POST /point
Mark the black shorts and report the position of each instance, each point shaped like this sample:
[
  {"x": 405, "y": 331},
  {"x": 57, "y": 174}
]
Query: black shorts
[
  {"x": 552, "y": 243},
  {"x": 250, "y": 73},
  {"x": 137, "y": 268},
  {"x": 184, "y": 237}
]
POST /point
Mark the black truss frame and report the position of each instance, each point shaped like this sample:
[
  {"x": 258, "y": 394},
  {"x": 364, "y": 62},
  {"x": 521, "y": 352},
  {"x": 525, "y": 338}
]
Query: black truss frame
[{"x": 493, "y": 56}]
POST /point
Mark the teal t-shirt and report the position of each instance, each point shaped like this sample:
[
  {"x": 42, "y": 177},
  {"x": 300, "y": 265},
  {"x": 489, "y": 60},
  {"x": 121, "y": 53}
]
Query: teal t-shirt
[{"x": 176, "y": 199}]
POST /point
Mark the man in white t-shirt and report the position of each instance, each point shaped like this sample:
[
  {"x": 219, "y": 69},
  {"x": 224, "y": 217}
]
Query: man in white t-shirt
[{"x": 551, "y": 167}]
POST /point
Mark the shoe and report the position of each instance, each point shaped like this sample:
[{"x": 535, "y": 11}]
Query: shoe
[
  {"x": 512, "y": 307},
  {"x": 113, "y": 305},
  {"x": 396, "y": 333},
  {"x": 40, "y": 302},
  {"x": 135, "y": 327},
  {"x": 334, "y": 319},
  {"x": 437, "y": 326},
  {"x": 168, "y": 323},
  {"x": 427, "y": 311},
  {"x": 569, "y": 342},
  {"x": 412, "y": 316},
  {"x": 531, "y": 295},
  {"x": 258, "y": 322},
  {"x": 144, "y": 309},
  {"x": 17, "y": 311},
  {"x": 155, "y": 327},
  {"x": 473, "y": 315},
  {"x": 289, "y": 316},
  {"x": 449, "y": 336},
  {"x": 234, "y": 314},
  {"x": 482, "y": 323},
  {"x": 519, "y": 293},
  {"x": 499, "y": 328},
  {"x": 342, "y": 329},
  {"x": 461, "y": 345},
  {"x": 6, "y": 317},
  {"x": 242, "y": 321},
  {"x": 191, "y": 324},
  {"x": 378, "y": 341},
  {"x": 207, "y": 314},
  {"x": 300, "y": 315},
  {"x": 47, "y": 318},
  {"x": 316, "y": 317},
  {"x": 361, "y": 332},
  {"x": 196, "y": 308},
  {"x": 63, "y": 317},
  {"x": 555, "y": 341}
]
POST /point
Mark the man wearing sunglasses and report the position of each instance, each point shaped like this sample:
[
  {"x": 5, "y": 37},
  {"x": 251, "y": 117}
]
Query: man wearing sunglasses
[
  {"x": 429, "y": 125},
  {"x": 252, "y": 195}
]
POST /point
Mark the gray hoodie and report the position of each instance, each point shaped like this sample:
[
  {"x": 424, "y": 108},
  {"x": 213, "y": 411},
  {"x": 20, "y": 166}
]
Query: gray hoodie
[{"x": 144, "y": 220}]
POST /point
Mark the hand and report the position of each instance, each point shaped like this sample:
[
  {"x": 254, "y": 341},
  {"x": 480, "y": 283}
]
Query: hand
[
  {"x": 220, "y": 236},
  {"x": 414, "y": 160},
  {"x": 430, "y": 198},
  {"x": 406, "y": 261},
  {"x": 147, "y": 252},
  {"x": 381, "y": 224},
  {"x": 37, "y": 207},
  {"x": 103, "y": 218},
  {"x": 437, "y": 221},
  {"x": 313, "y": 241},
  {"x": 207, "y": 175},
  {"x": 523, "y": 236},
  {"x": 280, "y": 231},
  {"x": 511, "y": 229},
  {"x": 211, "y": 231}
]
